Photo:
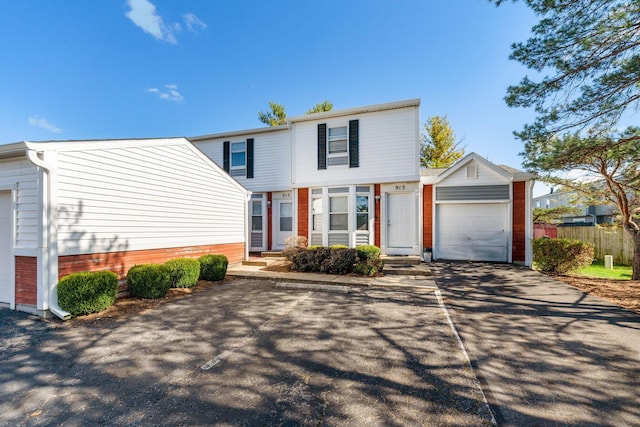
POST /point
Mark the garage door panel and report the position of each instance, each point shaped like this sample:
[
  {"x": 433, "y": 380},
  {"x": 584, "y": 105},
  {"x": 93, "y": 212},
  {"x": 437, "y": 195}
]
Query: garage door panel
[{"x": 475, "y": 232}]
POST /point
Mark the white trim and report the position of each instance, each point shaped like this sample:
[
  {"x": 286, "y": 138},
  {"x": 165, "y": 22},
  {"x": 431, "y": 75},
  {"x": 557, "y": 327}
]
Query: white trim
[
  {"x": 12, "y": 189},
  {"x": 358, "y": 110},
  {"x": 473, "y": 156}
]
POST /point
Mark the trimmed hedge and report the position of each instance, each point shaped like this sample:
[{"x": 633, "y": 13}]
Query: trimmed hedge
[
  {"x": 184, "y": 272},
  {"x": 149, "y": 280},
  {"x": 334, "y": 260},
  {"x": 366, "y": 252},
  {"x": 561, "y": 255},
  {"x": 213, "y": 267},
  {"x": 369, "y": 262},
  {"x": 87, "y": 292},
  {"x": 340, "y": 261}
]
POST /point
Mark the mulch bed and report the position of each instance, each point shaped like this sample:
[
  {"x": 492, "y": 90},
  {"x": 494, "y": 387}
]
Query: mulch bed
[{"x": 625, "y": 293}]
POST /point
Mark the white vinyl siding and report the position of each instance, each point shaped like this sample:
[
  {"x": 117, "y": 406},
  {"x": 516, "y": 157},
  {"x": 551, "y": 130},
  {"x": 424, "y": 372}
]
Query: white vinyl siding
[
  {"x": 153, "y": 196},
  {"x": 24, "y": 176},
  {"x": 387, "y": 143},
  {"x": 483, "y": 176},
  {"x": 271, "y": 159}
]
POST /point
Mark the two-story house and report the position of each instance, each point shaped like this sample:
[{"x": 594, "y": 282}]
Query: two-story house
[{"x": 344, "y": 177}]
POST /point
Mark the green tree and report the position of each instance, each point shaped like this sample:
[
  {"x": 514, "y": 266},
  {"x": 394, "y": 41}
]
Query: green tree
[
  {"x": 277, "y": 115},
  {"x": 438, "y": 146},
  {"x": 322, "y": 106},
  {"x": 590, "y": 51}
]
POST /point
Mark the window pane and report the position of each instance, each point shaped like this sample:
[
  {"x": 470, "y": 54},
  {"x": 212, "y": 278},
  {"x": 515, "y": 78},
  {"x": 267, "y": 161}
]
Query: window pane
[
  {"x": 256, "y": 208},
  {"x": 363, "y": 221},
  {"x": 339, "y": 204},
  {"x": 338, "y": 133},
  {"x": 238, "y": 146},
  {"x": 338, "y": 222},
  {"x": 286, "y": 210},
  {"x": 316, "y": 206},
  {"x": 317, "y": 222},
  {"x": 286, "y": 224},
  {"x": 237, "y": 159},
  {"x": 339, "y": 146},
  {"x": 362, "y": 203},
  {"x": 256, "y": 223}
]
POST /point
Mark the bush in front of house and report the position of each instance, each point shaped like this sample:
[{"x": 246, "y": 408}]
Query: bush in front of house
[
  {"x": 369, "y": 262},
  {"x": 87, "y": 292},
  {"x": 340, "y": 261},
  {"x": 213, "y": 267},
  {"x": 561, "y": 255},
  {"x": 184, "y": 272},
  {"x": 149, "y": 280}
]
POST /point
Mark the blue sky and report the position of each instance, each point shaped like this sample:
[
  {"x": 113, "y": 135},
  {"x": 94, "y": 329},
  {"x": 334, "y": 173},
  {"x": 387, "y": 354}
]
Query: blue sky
[{"x": 92, "y": 69}]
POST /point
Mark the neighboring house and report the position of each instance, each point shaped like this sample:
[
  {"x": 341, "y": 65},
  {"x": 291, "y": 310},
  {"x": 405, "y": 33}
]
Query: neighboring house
[
  {"x": 108, "y": 205},
  {"x": 352, "y": 177},
  {"x": 477, "y": 211},
  {"x": 587, "y": 215}
]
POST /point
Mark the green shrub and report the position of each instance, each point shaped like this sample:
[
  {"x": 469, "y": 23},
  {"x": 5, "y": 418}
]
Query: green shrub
[
  {"x": 213, "y": 267},
  {"x": 87, "y": 292},
  {"x": 369, "y": 267},
  {"x": 149, "y": 280},
  {"x": 338, "y": 247},
  {"x": 561, "y": 255},
  {"x": 366, "y": 252},
  {"x": 314, "y": 247},
  {"x": 305, "y": 261},
  {"x": 184, "y": 272}
]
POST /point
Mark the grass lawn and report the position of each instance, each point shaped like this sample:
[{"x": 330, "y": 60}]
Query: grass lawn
[{"x": 596, "y": 269}]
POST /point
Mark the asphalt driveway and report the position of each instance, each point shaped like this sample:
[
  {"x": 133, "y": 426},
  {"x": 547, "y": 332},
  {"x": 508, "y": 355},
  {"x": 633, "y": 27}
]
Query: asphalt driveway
[
  {"x": 245, "y": 353},
  {"x": 546, "y": 353}
]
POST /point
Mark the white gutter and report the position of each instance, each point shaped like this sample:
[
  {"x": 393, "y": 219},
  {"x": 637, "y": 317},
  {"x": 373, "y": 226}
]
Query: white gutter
[{"x": 50, "y": 249}]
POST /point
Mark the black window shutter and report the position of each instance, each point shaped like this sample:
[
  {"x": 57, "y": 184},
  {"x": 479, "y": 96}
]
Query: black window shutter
[
  {"x": 322, "y": 146},
  {"x": 250, "y": 158},
  {"x": 226, "y": 154},
  {"x": 354, "y": 149}
]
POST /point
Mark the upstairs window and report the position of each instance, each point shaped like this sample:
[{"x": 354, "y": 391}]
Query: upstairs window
[
  {"x": 337, "y": 153},
  {"x": 238, "y": 158}
]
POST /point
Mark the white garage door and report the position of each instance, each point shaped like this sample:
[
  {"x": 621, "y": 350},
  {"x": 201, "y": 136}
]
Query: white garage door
[
  {"x": 472, "y": 232},
  {"x": 5, "y": 246}
]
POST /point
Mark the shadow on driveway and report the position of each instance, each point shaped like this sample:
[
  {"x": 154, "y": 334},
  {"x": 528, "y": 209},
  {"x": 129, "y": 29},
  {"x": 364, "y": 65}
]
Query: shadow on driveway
[
  {"x": 547, "y": 353},
  {"x": 244, "y": 353}
]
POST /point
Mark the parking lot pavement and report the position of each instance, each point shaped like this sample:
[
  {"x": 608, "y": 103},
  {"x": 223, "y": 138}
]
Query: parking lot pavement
[
  {"x": 245, "y": 353},
  {"x": 546, "y": 353}
]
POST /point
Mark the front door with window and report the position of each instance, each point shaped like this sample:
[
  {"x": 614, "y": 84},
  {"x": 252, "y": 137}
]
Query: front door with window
[
  {"x": 256, "y": 210},
  {"x": 283, "y": 224}
]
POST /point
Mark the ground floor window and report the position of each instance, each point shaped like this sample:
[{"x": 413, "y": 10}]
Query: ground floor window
[{"x": 348, "y": 215}]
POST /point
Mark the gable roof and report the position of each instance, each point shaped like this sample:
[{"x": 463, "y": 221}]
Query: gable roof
[{"x": 434, "y": 175}]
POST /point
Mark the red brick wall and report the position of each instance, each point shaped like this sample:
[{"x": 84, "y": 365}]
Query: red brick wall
[
  {"x": 519, "y": 222},
  {"x": 269, "y": 219},
  {"x": 26, "y": 280},
  {"x": 303, "y": 212},
  {"x": 427, "y": 216},
  {"x": 376, "y": 222},
  {"x": 121, "y": 262}
]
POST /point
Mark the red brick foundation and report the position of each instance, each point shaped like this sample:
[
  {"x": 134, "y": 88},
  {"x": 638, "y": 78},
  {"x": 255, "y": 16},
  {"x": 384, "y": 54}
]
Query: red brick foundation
[
  {"x": 427, "y": 216},
  {"x": 303, "y": 212},
  {"x": 121, "y": 262},
  {"x": 519, "y": 238},
  {"x": 26, "y": 280}
]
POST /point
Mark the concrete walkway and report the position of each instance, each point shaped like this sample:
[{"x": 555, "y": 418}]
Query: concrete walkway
[{"x": 546, "y": 353}]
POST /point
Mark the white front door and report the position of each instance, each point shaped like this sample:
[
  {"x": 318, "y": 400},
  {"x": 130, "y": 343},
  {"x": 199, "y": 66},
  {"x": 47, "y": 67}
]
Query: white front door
[
  {"x": 472, "y": 232},
  {"x": 283, "y": 226},
  {"x": 401, "y": 223},
  {"x": 256, "y": 210},
  {"x": 5, "y": 246}
]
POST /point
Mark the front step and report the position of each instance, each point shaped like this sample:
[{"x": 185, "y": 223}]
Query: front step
[
  {"x": 271, "y": 254},
  {"x": 400, "y": 260},
  {"x": 255, "y": 263}
]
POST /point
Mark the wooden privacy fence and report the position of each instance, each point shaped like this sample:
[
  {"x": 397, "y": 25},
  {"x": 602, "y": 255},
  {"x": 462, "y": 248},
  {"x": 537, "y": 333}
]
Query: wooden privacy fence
[{"x": 607, "y": 241}]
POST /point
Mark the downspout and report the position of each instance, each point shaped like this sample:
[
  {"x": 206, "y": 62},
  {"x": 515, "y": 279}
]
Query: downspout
[{"x": 51, "y": 244}]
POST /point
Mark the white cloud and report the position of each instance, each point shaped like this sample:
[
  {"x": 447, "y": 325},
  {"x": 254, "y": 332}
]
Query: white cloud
[
  {"x": 168, "y": 93},
  {"x": 193, "y": 23},
  {"x": 143, "y": 14},
  {"x": 44, "y": 124}
]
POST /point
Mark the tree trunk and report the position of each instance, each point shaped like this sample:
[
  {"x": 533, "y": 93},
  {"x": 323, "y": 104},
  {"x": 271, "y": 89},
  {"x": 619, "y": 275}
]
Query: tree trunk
[{"x": 635, "y": 238}]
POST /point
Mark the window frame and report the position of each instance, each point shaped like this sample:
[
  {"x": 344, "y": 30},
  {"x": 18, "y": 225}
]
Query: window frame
[
  {"x": 342, "y": 153},
  {"x": 240, "y": 170}
]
